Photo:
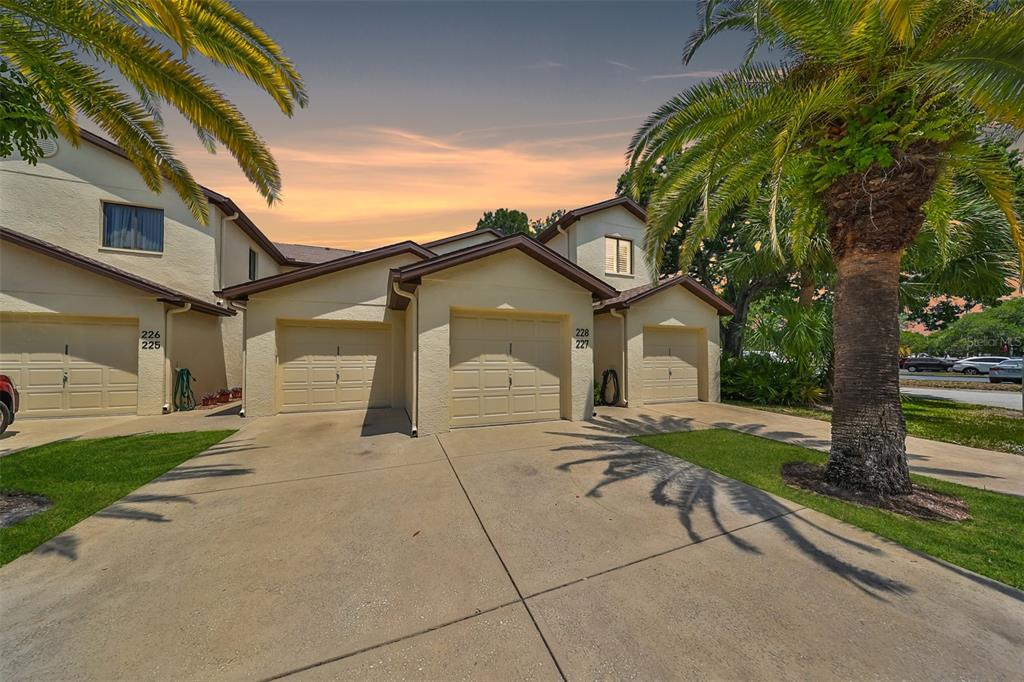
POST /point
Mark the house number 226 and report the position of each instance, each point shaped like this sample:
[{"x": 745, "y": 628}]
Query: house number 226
[
  {"x": 582, "y": 337},
  {"x": 150, "y": 339}
]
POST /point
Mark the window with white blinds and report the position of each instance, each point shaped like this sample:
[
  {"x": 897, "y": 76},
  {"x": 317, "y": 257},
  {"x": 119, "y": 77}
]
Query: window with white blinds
[{"x": 618, "y": 256}]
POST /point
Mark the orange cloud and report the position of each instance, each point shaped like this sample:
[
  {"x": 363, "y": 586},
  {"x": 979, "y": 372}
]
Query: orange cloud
[{"x": 364, "y": 187}]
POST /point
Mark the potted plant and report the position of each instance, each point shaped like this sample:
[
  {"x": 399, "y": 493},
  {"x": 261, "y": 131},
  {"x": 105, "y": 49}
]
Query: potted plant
[{"x": 236, "y": 393}]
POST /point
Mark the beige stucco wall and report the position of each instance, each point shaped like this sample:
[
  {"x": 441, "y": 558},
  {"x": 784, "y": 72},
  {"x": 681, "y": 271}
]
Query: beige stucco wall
[
  {"x": 60, "y": 200},
  {"x": 358, "y": 295},
  {"x": 583, "y": 243},
  {"x": 195, "y": 342},
  {"x": 36, "y": 284},
  {"x": 234, "y": 256},
  {"x": 608, "y": 346},
  {"x": 673, "y": 307},
  {"x": 465, "y": 242},
  {"x": 509, "y": 281}
]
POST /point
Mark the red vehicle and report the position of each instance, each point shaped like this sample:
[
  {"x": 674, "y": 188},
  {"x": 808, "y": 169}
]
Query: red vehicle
[{"x": 8, "y": 402}]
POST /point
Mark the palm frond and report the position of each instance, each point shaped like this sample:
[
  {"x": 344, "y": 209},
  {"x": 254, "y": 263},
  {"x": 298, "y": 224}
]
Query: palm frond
[{"x": 985, "y": 66}]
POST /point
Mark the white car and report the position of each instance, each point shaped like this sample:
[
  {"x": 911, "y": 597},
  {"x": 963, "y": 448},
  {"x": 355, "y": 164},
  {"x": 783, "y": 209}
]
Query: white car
[{"x": 977, "y": 365}]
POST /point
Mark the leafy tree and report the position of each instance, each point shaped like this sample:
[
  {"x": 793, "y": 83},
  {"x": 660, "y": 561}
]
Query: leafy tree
[
  {"x": 876, "y": 111},
  {"x": 997, "y": 330},
  {"x": 912, "y": 342},
  {"x": 23, "y": 120},
  {"x": 59, "y": 48},
  {"x": 541, "y": 224},
  {"x": 941, "y": 314},
  {"x": 505, "y": 220}
]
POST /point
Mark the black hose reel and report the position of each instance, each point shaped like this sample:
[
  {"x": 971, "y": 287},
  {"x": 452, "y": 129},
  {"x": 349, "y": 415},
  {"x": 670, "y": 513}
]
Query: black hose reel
[{"x": 610, "y": 376}]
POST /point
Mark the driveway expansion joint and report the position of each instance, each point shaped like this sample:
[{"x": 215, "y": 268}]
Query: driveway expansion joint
[
  {"x": 394, "y": 640},
  {"x": 665, "y": 552},
  {"x": 522, "y": 600}
]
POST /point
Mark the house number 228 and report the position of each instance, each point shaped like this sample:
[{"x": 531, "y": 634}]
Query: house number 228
[{"x": 582, "y": 337}]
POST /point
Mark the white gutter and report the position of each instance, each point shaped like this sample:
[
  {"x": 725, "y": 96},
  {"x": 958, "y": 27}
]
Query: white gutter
[
  {"x": 168, "y": 382},
  {"x": 622, "y": 379},
  {"x": 414, "y": 417}
]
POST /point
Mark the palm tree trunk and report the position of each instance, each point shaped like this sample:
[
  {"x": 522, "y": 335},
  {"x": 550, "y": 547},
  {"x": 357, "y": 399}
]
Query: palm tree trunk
[
  {"x": 807, "y": 288},
  {"x": 873, "y": 216},
  {"x": 868, "y": 430}
]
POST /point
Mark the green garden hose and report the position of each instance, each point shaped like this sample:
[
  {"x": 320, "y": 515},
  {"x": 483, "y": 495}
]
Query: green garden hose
[{"x": 184, "y": 398}]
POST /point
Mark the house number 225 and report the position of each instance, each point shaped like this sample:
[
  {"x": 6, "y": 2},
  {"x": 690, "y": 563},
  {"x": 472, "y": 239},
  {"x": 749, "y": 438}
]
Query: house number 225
[
  {"x": 150, "y": 339},
  {"x": 582, "y": 337}
]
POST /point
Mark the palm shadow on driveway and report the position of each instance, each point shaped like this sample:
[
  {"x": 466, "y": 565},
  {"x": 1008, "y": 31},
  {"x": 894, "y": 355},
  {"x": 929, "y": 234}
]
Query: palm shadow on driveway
[{"x": 690, "y": 490}]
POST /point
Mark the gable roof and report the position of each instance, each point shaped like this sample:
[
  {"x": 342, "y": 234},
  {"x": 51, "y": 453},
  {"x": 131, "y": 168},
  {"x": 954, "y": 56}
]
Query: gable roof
[
  {"x": 631, "y": 296},
  {"x": 163, "y": 294},
  {"x": 408, "y": 277},
  {"x": 463, "y": 235},
  {"x": 575, "y": 214},
  {"x": 224, "y": 203},
  {"x": 244, "y": 290},
  {"x": 310, "y": 254}
]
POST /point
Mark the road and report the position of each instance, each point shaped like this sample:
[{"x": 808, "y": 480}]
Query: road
[
  {"x": 1005, "y": 399},
  {"x": 906, "y": 376}
]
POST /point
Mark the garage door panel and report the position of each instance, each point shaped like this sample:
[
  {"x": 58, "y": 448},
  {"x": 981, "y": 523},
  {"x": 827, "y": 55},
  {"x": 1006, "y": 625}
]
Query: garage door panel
[
  {"x": 72, "y": 367},
  {"x": 516, "y": 365},
  {"x": 670, "y": 370},
  {"x": 493, "y": 406},
  {"x": 342, "y": 367}
]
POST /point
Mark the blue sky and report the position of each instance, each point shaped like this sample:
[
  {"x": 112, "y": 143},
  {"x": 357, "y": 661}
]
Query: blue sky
[{"x": 424, "y": 114}]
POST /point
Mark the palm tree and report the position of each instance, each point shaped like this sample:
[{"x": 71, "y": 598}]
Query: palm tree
[
  {"x": 874, "y": 106},
  {"x": 56, "y": 47}
]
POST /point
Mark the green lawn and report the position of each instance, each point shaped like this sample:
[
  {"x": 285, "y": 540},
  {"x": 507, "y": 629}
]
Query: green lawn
[
  {"x": 942, "y": 420},
  {"x": 991, "y": 543},
  {"x": 82, "y": 477}
]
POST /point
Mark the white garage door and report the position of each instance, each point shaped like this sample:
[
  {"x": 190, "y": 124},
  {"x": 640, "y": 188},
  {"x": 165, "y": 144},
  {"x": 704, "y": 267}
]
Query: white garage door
[
  {"x": 671, "y": 358},
  {"x": 504, "y": 369},
  {"x": 72, "y": 366},
  {"x": 342, "y": 367}
]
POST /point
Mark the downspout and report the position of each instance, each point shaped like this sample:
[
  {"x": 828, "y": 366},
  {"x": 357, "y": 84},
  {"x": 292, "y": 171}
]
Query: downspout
[
  {"x": 220, "y": 248},
  {"x": 235, "y": 305},
  {"x": 414, "y": 417},
  {"x": 168, "y": 383},
  {"x": 624, "y": 379}
]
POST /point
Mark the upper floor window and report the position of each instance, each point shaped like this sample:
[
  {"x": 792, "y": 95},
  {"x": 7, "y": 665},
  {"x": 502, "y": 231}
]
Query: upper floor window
[
  {"x": 253, "y": 263},
  {"x": 618, "y": 256},
  {"x": 133, "y": 227}
]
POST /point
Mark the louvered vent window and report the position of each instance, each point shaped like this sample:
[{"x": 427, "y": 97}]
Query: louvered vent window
[{"x": 618, "y": 256}]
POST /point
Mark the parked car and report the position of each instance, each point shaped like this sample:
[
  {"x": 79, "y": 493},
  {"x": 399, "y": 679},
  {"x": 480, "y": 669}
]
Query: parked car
[
  {"x": 924, "y": 363},
  {"x": 980, "y": 364},
  {"x": 8, "y": 402},
  {"x": 1008, "y": 370}
]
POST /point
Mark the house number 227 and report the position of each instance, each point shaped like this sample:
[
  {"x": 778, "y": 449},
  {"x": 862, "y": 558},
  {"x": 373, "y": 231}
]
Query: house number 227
[{"x": 582, "y": 337}]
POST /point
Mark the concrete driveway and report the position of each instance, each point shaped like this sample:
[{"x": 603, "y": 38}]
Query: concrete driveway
[{"x": 333, "y": 546}]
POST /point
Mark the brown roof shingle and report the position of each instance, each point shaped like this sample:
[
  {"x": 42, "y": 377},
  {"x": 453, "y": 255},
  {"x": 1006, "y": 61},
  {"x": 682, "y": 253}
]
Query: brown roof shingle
[{"x": 310, "y": 254}]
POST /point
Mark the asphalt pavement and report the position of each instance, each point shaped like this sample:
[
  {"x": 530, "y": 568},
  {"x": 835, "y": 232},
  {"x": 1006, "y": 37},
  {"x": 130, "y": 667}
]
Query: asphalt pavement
[
  {"x": 1008, "y": 400},
  {"x": 906, "y": 376}
]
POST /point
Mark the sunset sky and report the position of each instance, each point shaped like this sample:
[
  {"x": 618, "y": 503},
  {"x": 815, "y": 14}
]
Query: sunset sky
[{"x": 423, "y": 115}]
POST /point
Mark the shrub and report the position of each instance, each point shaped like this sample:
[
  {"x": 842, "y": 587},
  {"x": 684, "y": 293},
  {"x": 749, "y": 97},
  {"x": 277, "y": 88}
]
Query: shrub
[{"x": 765, "y": 380}]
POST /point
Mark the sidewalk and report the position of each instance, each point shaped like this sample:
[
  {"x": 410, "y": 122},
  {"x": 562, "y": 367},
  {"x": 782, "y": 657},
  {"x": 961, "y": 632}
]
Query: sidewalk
[{"x": 998, "y": 471}]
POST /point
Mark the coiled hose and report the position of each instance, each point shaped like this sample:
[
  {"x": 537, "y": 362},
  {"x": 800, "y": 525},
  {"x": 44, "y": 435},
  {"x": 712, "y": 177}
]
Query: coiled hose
[
  {"x": 184, "y": 399},
  {"x": 610, "y": 375}
]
